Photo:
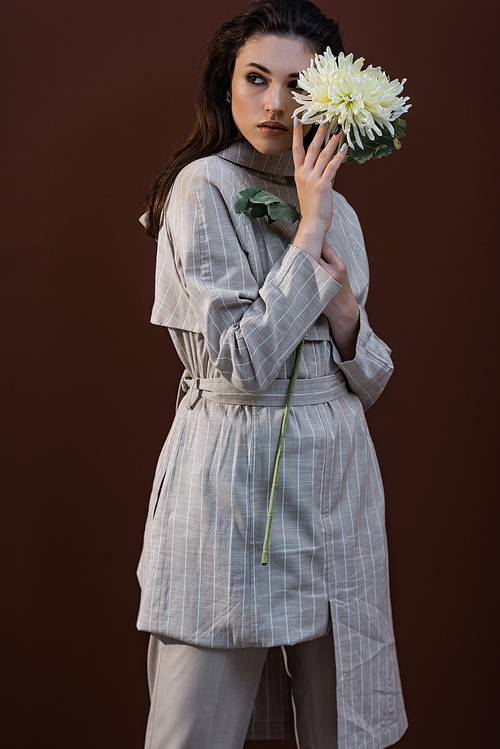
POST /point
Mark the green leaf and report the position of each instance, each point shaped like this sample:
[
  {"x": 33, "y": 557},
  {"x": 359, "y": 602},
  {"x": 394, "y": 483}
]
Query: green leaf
[
  {"x": 282, "y": 210},
  {"x": 241, "y": 205},
  {"x": 257, "y": 211},
  {"x": 249, "y": 192},
  {"x": 381, "y": 151},
  {"x": 260, "y": 203},
  {"x": 399, "y": 126},
  {"x": 382, "y": 145},
  {"x": 265, "y": 197},
  {"x": 276, "y": 211},
  {"x": 291, "y": 214}
]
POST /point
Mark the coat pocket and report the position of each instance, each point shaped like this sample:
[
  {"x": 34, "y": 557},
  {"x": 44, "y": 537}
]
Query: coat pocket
[
  {"x": 167, "y": 459},
  {"x": 158, "y": 493}
]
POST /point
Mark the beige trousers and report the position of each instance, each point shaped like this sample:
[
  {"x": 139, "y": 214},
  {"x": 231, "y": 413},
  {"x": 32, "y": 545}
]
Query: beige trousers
[{"x": 202, "y": 698}]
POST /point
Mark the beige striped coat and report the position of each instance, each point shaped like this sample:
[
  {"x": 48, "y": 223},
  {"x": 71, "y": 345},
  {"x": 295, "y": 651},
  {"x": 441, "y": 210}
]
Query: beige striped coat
[{"x": 238, "y": 297}]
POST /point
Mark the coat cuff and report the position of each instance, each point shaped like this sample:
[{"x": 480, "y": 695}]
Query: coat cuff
[
  {"x": 299, "y": 283},
  {"x": 367, "y": 374}
]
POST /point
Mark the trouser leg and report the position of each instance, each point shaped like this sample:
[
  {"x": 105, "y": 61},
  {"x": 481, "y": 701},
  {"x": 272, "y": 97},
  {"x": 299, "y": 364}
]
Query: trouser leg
[
  {"x": 311, "y": 666},
  {"x": 201, "y": 698}
]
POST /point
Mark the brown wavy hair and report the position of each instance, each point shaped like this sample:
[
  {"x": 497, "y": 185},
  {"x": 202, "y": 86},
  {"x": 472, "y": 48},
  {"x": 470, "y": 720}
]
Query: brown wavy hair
[{"x": 214, "y": 127}]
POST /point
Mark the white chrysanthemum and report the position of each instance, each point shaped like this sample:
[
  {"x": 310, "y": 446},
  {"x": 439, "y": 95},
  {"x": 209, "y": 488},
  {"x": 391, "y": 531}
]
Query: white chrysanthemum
[{"x": 360, "y": 101}]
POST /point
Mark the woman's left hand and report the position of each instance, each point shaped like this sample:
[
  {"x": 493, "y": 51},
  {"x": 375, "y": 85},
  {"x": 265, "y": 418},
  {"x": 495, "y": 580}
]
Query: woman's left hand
[
  {"x": 314, "y": 172},
  {"x": 342, "y": 311}
]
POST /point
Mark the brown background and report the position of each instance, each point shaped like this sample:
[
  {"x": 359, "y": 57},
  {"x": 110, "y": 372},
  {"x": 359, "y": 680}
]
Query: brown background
[{"x": 97, "y": 94}]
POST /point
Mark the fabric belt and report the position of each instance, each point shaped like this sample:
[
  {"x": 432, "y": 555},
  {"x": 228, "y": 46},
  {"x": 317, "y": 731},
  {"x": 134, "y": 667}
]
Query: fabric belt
[{"x": 307, "y": 392}]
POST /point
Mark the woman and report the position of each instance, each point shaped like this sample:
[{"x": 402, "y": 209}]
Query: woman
[{"x": 238, "y": 296}]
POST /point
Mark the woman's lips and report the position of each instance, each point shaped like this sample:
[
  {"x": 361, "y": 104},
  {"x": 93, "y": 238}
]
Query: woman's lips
[{"x": 272, "y": 128}]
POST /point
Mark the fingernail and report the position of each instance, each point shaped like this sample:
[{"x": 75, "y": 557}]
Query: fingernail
[
  {"x": 343, "y": 148},
  {"x": 295, "y": 121},
  {"x": 338, "y": 129},
  {"x": 324, "y": 121}
]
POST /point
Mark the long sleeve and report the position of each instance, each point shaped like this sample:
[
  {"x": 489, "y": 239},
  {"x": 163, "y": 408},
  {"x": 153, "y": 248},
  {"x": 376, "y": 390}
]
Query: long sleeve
[
  {"x": 250, "y": 330},
  {"x": 368, "y": 373}
]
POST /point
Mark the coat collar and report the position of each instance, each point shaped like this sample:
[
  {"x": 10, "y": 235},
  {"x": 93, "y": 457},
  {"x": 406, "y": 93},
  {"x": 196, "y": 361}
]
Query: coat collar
[{"x": 242, "y": 153}]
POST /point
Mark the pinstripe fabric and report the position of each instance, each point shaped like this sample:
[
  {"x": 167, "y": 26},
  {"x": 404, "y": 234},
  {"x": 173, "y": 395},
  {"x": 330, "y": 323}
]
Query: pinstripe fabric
[
  {"x": 237, "y": 297},
  {"x": 272, "y": 717}
]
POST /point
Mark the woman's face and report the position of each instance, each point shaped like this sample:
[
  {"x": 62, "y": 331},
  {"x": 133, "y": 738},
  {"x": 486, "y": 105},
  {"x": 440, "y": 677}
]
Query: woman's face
[{"x": 265, "y": 74}]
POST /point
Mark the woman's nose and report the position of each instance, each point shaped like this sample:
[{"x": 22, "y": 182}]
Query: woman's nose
[{"x": 275, "y": 100}]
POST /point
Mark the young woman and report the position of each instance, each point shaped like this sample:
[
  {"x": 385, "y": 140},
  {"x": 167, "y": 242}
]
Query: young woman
[{"x": 238, "y": 295}]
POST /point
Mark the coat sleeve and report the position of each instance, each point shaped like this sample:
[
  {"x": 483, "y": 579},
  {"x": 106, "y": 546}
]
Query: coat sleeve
[
  {"x": 368, "y": 373},
  {"x": 250, "y": 331}
]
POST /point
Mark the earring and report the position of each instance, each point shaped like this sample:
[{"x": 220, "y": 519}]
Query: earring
[{"x": 228, "y": 97}]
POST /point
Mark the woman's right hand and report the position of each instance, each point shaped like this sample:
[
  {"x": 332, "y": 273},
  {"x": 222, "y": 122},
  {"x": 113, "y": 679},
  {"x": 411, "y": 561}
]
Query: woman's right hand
[{"x": 314, "y": 172}]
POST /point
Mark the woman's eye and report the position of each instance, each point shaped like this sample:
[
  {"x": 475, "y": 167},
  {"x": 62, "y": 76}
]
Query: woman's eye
[
  {"x": 254, "y": 78},
  {"x": 295, "y": 86}
]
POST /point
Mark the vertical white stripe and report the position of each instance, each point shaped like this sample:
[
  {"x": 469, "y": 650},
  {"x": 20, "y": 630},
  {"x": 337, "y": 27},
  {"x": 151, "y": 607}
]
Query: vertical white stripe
[{"x": 297, "y": 525}]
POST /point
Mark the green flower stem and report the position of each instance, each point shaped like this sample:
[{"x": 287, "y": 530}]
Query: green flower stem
[{"x": 284, "y": 423}]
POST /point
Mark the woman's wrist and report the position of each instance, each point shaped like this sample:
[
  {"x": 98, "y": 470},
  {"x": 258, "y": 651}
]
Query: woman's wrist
[
  {"x": 309, "y": 239},
  {"x": 344, "y": 323}
]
